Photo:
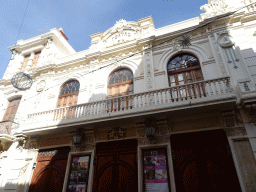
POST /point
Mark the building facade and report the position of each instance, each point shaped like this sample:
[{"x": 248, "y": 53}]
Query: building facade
[{"x": 143, "y": 109}]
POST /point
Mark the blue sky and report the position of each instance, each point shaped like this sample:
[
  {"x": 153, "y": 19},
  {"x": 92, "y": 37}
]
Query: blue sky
[{"x": 81, "y": 18}]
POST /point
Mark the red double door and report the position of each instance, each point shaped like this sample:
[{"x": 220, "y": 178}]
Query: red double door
[
  {"x": 203, "y": 162},
  {"x": 50, "y": 170},
  {"x": 116, "y": 167}
]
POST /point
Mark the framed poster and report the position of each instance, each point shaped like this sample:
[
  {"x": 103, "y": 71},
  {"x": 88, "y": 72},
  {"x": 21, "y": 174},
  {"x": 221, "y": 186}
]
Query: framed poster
[
  {"x": 79, "y": 173},
  {"x": 155, "y": 170}
]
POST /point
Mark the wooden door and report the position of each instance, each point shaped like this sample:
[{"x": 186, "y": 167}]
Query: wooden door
[
  {"x": 184, "y": 76},
  {"x": 50, "y": 170},
  {"x": 203, "y": 162},
  {"x": 116, "y": 168}
]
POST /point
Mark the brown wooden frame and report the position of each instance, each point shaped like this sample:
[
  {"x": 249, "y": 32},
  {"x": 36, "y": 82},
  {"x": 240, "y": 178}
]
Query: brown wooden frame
[
  {"x": 12, "y": 108},
  {"x": 111, "y": 104},
  {"x": 189, "y": 92}
]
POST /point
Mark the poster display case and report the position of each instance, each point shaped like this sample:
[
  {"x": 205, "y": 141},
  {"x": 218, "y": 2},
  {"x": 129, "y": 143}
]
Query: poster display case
[
  {"x": 155, "y": 170},
  {"x": 79, "y": 173}
]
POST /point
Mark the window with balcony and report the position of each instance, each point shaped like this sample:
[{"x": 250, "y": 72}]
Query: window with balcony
[
  {"x": 185, "y": 69},
  {"x": 25, "y": 62},
  {"x": 67, "y": 97},
  {"x": 12, "y": 109},
  {"x": 35, "y": 59},
  {"x": 68, "y": 94},
  {"x": 120, "y": 83}
]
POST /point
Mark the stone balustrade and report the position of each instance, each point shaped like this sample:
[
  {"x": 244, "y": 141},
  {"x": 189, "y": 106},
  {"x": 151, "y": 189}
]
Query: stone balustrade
[
  {"x": 8, "y": 127},
  {"x": 130, "y": 104}
]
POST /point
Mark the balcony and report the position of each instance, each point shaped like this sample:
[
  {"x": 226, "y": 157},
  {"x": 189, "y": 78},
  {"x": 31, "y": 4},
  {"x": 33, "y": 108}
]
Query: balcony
[
  {"x": 7, "y": 130},
  {"x": 216, "y": 93}
]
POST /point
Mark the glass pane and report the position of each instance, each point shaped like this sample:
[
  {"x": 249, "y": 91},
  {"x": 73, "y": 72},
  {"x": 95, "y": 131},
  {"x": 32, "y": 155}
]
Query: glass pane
[
  {"x": 70, "y": 87},
  {"x": 120, "y": 76},
  {"x": 180, "y": 79},
  {"x": 79, "y": 173},
  {"x": 182, "y": 61},
  {"x": 155, "y": 170}
]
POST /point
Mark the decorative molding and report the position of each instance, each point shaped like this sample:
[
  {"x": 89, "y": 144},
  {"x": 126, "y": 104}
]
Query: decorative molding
[
  {"x": 209, "y": 62},
  {"x": 251, "y": 112},
  {"x": 238, "y": 131},
  {"x": 229, "y": 118},
  {"x": 116, "y": 133},
  {"x": 138, "y": 78},
  {"x": 60, "y": 140},
  {"x": 159, "y": 73}
]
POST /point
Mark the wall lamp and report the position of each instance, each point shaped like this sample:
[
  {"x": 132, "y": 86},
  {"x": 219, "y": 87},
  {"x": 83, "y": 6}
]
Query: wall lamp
[
  {"x": 78, "y": 138},
  {"x": 150, "y": 128}
]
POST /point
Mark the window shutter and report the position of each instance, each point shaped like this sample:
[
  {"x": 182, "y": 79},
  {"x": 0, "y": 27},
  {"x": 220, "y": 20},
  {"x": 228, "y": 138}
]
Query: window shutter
[
  {"x": 36, "y": 57},
  {"x": 12, "y": 109},
  {"x": 24, "y": 64}
]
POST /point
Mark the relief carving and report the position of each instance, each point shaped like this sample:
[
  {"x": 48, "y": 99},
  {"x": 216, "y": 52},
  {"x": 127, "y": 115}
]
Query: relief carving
[
  {"x": 229, "y": 118},
  {"x": 240, "y": 131}
]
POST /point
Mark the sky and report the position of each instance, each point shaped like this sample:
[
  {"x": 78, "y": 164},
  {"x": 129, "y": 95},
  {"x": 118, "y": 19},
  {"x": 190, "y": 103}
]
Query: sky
[{"x": 81, "y": 18}]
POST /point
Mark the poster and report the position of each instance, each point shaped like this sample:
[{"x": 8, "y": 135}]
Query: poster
[
  {"x": 155, "y": 171},
  {"x": 79, "y": 172}
]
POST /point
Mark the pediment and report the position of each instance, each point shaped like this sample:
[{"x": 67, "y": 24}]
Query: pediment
[{"x": 123, "y": 31}]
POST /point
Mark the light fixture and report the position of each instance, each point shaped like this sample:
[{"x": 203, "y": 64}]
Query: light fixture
[
  {"x": 150, "y": 128},
  {"x": 78, "y": 137}
]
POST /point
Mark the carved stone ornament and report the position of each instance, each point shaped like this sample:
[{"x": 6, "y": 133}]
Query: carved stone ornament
[
  {"x": 40, "y": 86},
  {"x": 14, "y": 53},
  {"x": 157, "y": 140},
  {"x": 116, "y": 133},
  {"x": 239, "y": 131},
  {"x": 22, "y": 140},
  {"x": 251, "y": 112},
  {"x": 229, "y": 118},
  {"x": 225, "y": 40},
  {"x": 214, "y": 7}
]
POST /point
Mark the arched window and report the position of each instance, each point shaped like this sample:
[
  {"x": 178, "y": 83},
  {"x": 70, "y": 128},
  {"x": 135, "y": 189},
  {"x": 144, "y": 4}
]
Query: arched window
[
  {"x": 68, "y": 94},
  {"x": 184, "y": 68},
  {"x": 120, "y": 83}
]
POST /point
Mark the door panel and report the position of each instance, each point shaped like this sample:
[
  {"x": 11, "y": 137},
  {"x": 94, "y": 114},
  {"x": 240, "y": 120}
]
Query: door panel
[
  {"x": 202, "y": 162},
  {"x": 116, "y": 168},
  {"x": 50, "y": 171}
]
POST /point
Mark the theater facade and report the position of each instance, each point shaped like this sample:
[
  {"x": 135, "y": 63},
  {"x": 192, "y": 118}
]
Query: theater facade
[{"x": 142, "y": 109}]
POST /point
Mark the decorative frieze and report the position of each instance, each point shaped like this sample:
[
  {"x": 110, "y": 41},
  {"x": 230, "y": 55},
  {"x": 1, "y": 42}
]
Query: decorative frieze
[
  {"x": 238, "y": 131},
  {"x": 251, "y": 112},
  {"x": 51, "y": 141}
]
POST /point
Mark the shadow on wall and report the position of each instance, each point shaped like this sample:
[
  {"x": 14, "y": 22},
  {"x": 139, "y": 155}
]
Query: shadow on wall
[
  {"x": 14, "y": 187},
  {"x": 48, "y": 174}
]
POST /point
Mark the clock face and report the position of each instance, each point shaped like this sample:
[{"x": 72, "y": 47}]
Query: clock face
[{"x": 40, "y": 86}]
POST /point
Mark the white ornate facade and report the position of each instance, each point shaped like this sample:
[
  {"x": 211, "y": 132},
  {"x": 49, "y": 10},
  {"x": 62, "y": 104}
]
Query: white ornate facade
[{"x": 222, "y": 39}]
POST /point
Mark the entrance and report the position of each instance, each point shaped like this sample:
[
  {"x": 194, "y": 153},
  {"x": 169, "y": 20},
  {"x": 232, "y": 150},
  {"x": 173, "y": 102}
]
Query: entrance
[
  {"x": 203, "y": 162},
  {"x": 116, "y": 166},
  {"x": 50, "y": 170}
]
